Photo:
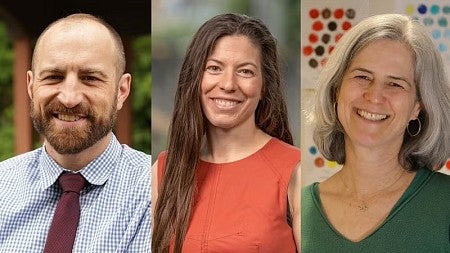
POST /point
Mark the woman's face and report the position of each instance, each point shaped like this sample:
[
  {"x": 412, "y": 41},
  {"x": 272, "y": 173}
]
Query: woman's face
[
  {"x": 232, "y": 83},
  {"x": 377, "y": 97}
]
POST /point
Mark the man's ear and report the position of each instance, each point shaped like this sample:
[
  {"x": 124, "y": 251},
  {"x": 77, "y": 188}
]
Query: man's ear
[
  {"x": 123, "y": 89},
  {"x": 30, "y": 83}
]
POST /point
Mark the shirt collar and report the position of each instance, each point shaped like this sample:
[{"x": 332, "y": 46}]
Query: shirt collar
[{"x": 96, "y": 172}]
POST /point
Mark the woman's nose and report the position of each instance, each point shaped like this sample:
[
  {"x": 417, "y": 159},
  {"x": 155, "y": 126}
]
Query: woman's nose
[
  {"x": 228, "y": 82},
  {"x": 375, "y": 92}
]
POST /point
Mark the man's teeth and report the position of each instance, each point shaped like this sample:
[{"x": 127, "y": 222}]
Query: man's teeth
[
  {"x": 70, "y": 118},
  {"x": 225, "y": 103},
  {"x": 371, "y": 116}
]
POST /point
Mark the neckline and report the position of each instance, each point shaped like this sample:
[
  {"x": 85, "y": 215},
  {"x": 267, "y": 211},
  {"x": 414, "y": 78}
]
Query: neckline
[
  {"x": 265, "y": 146},
  {"x": 419, "y": 180}
]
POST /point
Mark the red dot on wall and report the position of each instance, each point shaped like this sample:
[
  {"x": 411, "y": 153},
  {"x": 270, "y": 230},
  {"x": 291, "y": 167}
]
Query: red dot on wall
[
  {"x": 338, "y": 37},
  {"x": 338, "y": 13},
  {"x": 448, "y": 164},
  {"x": 319, "y": 162},
  {"x": 330, "y": 49},
  {"x": 313, "y": 38},
  {"x": 314, "y": 13},
  {"x": 317, "y": 26},
  {"x": 308, "y": 50},
  {"x": 346, "y": 25}
]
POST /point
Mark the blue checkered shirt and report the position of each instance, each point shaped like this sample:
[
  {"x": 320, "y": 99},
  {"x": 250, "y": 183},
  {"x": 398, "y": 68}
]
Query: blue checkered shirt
[{"x": 115, "y": 206}]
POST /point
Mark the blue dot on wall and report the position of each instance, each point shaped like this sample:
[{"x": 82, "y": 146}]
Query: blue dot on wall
[
  {"x": 436, "y": 34},
  {"x": 422, "y": 9},
  {"x": 447, "y": 33},
  {"x": 428, "y": 21},
  {"x": 446, "y": 9},
  {"x": 415, "y": 17},
  {"x": 434, "y": 9},
  {"x": 442, "y": 47},
  {"x": 313, "y": 150},
  {"x": 443, "y": 22}
]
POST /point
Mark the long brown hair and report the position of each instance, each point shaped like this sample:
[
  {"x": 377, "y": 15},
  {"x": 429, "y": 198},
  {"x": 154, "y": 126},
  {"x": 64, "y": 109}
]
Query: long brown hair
[{"x": 187, "y": 129}]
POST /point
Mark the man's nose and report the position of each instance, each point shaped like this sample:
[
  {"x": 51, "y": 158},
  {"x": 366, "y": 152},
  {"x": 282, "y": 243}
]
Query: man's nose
[{"x": 70, "y": 94}]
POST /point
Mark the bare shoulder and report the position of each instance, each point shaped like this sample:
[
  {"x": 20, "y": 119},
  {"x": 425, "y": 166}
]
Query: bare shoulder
[
  {"x": 154, "y": 184},
  {"x": 294, "y": 189}
]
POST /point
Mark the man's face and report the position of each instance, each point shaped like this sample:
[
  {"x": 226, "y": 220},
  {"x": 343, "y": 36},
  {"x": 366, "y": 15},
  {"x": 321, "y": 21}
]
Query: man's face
[{"x": 74, "y": 87}]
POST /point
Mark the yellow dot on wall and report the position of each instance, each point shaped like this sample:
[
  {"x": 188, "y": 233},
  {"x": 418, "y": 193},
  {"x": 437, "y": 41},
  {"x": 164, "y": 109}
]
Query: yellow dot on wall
[
  {"x": 409, "y": 9},
  {"x": 331, "y": 164}
]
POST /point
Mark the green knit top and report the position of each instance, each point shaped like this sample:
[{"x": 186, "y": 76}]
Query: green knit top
[{"x": 419, "y": 221}]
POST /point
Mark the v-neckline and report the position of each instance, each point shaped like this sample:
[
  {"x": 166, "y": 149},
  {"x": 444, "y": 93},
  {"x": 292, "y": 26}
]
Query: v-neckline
[{"x": 418, "y": 181}]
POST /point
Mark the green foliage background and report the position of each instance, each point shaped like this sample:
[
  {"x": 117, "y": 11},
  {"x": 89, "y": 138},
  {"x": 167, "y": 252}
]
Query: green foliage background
[
  {"x": 6, "y": 95},
  {"x": 141, "y": 95}
]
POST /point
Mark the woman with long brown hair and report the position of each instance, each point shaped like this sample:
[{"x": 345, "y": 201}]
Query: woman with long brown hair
[{"x": 223, "y": 183}]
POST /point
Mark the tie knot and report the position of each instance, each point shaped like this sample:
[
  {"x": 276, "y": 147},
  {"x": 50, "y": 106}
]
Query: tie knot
[{"x": 71, "y": 182}]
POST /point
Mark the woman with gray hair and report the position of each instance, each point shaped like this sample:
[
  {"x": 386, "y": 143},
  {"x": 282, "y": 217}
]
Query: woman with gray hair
[{"x": 382, "y": 111}]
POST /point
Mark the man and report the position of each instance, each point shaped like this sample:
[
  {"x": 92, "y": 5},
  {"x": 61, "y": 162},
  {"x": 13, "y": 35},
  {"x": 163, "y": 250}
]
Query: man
[{"x": 76, "y": 85}]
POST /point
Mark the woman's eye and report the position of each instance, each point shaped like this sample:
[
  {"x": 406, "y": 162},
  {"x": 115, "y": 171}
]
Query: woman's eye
[
  {"x": 246, "y": 72},
  {"x": 396, "y": 85},
  {"x": 212, "y": 69},
  {"x": 363, "y": 77}
]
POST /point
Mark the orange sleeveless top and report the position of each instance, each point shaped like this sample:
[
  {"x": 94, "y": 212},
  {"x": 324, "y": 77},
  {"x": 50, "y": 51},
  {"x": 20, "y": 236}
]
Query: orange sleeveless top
[{"x": 241, "y": 206}]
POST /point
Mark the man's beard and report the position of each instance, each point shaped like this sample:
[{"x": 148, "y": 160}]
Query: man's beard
[{"x": 72, "y": 140}]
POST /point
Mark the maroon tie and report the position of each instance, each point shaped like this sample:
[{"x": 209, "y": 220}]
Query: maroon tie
[{"x": 61, "y": 235}]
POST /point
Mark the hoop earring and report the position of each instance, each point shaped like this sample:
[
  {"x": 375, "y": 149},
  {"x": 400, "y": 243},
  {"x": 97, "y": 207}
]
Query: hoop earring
[{"x": 418, "y": 130}]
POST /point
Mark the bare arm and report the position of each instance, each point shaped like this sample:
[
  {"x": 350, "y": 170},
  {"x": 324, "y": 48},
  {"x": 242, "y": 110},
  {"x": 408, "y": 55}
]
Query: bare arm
[
  {"x": 154, "y": 188},
  {"x": 294, "y": 193}
]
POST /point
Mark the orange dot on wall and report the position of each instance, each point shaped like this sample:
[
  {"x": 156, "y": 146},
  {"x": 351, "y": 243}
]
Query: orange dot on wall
[
  {"x": 346, "y": 25},
  {"x": 319, "y": 162},
  {"x": 317, "y": 26},
  {"x": 330, "y": 49},
  {"x": 308, "y": 50},
  {"x": 313, "y": 38},
  {"x": 314, "y": 13},
  {"x": 448, "y": 164},
  {"x": 338, "y": 13}
]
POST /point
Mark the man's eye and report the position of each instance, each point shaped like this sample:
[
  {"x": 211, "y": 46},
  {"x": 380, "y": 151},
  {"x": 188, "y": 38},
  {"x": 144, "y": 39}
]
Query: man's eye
[
  {"x": 54, "y": 77},
  {"x": 90, "y": 78}
]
